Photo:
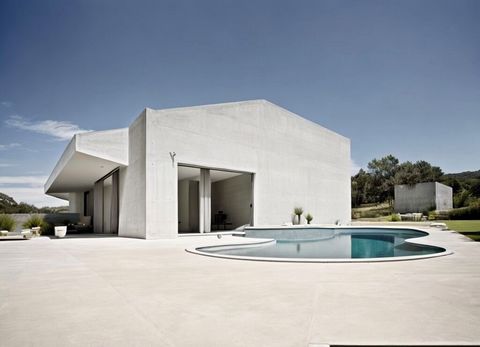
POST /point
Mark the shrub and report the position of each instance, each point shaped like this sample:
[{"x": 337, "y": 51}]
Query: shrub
[
  {"x": 426, "y": 212},
  {"x": 7, "y": 222},
  {"x": 462, "y": 199},
  {"x": 309, "y": 218},
  {"x": 471, "y": 212},
  {"x": 36, "y": 221},
  {"x": 48, "y": 229},
  {"x": 432, "y": 215},
  {"x": 394, "y": 217}
]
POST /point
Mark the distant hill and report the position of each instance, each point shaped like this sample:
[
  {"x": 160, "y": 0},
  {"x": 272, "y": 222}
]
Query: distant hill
[
  {"x": 463, "y": 175},
  {"x": 6, "y": 202},
  {"x": 9, "y": 205}
]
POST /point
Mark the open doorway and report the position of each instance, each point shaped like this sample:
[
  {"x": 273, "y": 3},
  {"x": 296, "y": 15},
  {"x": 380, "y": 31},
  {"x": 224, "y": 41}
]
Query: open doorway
[
  {"x": 213, "y": 200},
  {"x": 232, "y": 200},
  {"x": 188, "y": 199}
]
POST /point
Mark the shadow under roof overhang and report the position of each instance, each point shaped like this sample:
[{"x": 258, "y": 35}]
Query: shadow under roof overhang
[{"x": 87, "y": 158}]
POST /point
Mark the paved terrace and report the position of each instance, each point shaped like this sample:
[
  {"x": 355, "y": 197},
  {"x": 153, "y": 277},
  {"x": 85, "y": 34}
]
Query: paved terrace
[{"x": 129, "y": 292}]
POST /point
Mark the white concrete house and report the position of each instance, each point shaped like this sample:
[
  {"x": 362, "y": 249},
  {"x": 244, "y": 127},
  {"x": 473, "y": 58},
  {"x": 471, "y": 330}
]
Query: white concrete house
[{"x": 203, "y": 168}]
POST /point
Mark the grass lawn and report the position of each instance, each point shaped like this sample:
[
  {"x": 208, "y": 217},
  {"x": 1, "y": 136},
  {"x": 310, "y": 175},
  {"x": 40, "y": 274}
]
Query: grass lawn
[
  {"x": 376, "y": 212},
  {"x": 470, "y": 228}
]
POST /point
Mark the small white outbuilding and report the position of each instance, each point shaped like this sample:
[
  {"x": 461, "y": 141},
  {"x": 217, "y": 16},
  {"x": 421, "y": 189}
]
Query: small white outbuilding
[{"x": 422, "y": 197}]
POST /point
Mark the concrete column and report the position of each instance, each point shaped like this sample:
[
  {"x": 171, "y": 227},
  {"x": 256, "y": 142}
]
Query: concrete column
[
  {"x": 98, "y": 207},
  {"x": 205, "y": 201}
]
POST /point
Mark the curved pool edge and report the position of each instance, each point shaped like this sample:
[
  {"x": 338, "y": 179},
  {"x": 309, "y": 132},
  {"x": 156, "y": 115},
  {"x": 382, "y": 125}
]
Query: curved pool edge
[{"x": 323, "y": 260}]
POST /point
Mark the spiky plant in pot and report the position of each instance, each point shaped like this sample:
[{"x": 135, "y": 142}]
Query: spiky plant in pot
[
  {"x": 36, "y": 221},
  {"x": 309, "y": 218},
  {"x": 298, "y": 211}
]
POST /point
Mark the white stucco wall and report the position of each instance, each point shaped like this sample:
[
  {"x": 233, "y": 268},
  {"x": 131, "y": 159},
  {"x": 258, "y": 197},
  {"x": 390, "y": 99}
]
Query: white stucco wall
[{"x": 296, "y": 163}]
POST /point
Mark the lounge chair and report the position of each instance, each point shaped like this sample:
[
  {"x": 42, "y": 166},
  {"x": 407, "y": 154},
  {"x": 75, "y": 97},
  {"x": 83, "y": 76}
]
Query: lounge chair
[
  {"x": 84, "y": 224},
  {"x": 27, "y": 234},
  {"x": 5, "y": 235}
]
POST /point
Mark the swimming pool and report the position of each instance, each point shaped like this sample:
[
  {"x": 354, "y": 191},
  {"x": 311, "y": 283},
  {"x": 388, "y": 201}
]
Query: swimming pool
[{"x": 343, "y": 244}]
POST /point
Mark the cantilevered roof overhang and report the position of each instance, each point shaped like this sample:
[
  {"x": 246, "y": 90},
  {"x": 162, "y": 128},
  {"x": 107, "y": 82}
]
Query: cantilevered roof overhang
[{"x": 87, "y": 158}]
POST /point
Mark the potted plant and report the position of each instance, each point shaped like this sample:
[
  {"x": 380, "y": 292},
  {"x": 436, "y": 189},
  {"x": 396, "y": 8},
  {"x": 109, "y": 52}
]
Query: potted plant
[
  {"x": 60, "y": 231},
  {"x": 309, "y": 218},
  {"x": 298, "y": 211},
  {"x": 36, "y": 223}
]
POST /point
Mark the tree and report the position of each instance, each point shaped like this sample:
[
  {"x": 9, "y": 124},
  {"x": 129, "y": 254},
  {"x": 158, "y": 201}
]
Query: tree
[
  {"x": 383, "y": 173},
  {"x": 475, "y": 188},
  {"x": 360, "y": 187},
  {"x": 407, "y": 174},
  {"x": 378, "y": 182},
  {"x": 427, "y": 172},
  {"x": 419, "y": 172},
  {"x": 454, "y": 183},
  {"x": 385, "y": 167},
  {"x": 9, "y": 205}
]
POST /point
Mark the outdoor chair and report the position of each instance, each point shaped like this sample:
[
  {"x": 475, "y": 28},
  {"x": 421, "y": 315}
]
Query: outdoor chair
[{"x": 84, "y": 224}]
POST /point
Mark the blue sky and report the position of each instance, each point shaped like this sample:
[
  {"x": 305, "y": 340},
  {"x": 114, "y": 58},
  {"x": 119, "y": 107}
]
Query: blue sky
[{"x": 400, "y": 77}]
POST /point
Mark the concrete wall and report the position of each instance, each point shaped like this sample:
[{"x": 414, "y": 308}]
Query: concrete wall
[
  {"x": 53, "y": 218},
  {"x": 233, "y": 196},
  {"x": 75, "y": 202},
  {"x": 296, "y": 162},
  {"x": 415, "y": 198},
  {"x": 422, "y": 197},
  {"x": 108, "y": 144},
  {"x": 444, "y": 197},
  {"x": 132, "y": 184},
  {"x": 88, "y": 157}
]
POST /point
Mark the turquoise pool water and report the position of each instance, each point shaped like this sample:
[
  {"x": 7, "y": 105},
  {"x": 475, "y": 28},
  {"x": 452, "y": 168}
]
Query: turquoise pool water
[{"x": 323, "y": 243}]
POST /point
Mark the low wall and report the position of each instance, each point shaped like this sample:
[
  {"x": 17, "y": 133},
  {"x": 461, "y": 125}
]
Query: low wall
[{"x": 52, "y": 218}]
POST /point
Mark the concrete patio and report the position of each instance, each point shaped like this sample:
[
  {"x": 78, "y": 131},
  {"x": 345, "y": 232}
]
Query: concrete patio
[{"x": 131, "y": 292}]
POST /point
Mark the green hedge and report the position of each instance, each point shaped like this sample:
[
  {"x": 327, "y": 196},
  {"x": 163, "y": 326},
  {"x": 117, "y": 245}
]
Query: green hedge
[{"x": 470, "y": 212}]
